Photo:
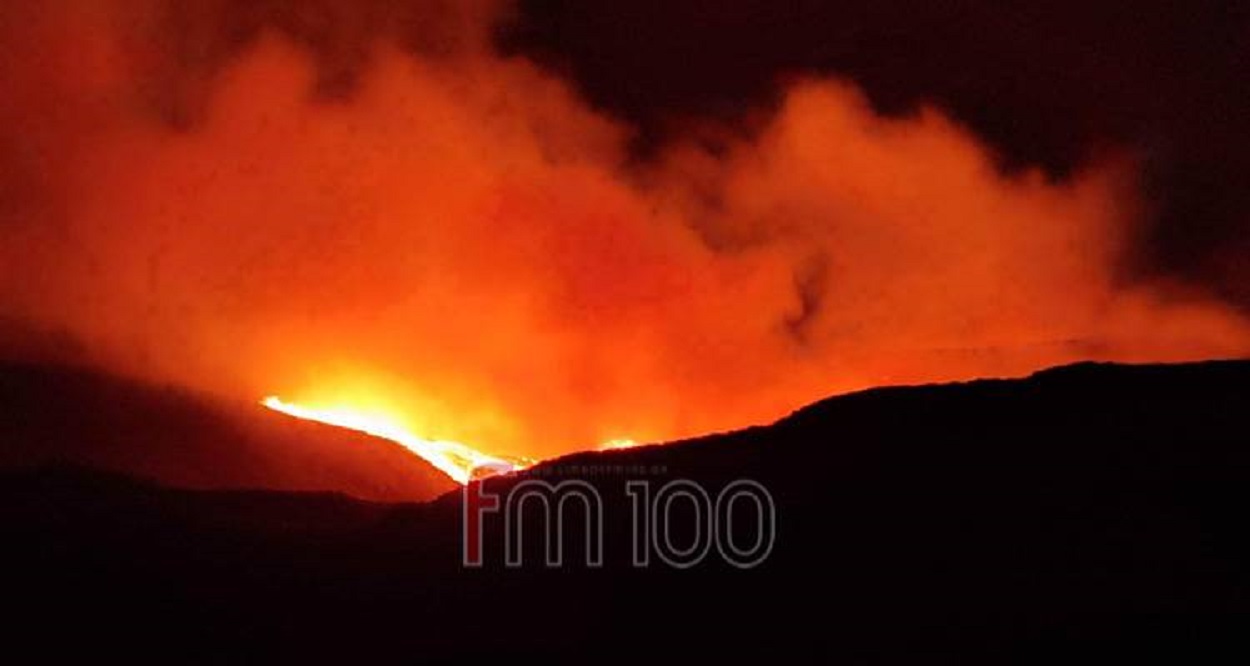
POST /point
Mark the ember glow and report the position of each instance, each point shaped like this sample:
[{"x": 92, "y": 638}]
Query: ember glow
[
  {"x": 618, "y": 444},
  {"x": 454, "y": 459}
]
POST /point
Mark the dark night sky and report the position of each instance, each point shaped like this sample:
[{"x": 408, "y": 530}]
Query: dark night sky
[{"x": 1045, "y": 83}]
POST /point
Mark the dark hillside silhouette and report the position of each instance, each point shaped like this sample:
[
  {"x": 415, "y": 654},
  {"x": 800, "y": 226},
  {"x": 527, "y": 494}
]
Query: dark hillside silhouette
[{"x": 1091, "y": 511}]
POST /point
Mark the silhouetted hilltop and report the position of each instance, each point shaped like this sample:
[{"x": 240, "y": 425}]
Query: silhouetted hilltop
[
  {"x": 54, "y": 413},
  {"x": 1092, "y": 511}
]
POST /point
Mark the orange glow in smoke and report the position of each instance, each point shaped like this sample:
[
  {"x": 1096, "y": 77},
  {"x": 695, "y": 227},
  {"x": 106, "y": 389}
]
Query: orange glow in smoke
[{"x": 468, "y": 226}]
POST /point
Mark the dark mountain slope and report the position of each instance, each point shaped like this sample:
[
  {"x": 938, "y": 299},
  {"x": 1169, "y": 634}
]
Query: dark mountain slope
[
  {"x": 1089, "y": 511},
  {"x": 63, "y": 414}
]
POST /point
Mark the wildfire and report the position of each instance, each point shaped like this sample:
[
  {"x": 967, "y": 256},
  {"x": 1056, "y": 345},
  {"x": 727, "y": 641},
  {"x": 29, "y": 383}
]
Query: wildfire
[
  {"x": 458, "y": 461},
  {"x": 617, "y": 444}
]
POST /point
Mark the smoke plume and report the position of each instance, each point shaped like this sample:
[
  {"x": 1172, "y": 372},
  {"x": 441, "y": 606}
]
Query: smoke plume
[{"x": 374, "y": 206}]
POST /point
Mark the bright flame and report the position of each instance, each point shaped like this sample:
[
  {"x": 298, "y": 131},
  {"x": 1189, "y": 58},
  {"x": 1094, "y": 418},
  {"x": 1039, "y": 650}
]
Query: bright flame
[
  {"x": 454, "y": 459},
  {"x": 617, "y": 444}
]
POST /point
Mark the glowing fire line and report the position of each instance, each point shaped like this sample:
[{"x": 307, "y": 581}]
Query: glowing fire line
[
  {"x": 618, "y": 444},
  {"x": 454, "y": 459}
]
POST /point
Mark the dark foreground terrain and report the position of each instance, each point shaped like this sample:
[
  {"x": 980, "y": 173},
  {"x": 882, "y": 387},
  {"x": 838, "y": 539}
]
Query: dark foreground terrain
[
  {"x": 1087, "y": 511},
  {"x": 52, "y": 414}
]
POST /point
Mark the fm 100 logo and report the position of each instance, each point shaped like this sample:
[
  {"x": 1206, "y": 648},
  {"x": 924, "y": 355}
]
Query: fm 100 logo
[{"x": 661, "y": 528}]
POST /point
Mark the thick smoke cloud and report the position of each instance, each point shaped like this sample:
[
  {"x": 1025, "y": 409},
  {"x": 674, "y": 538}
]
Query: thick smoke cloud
[
  {"x": 1045, "y": 83},
  {"x": 422, "y": 225}
]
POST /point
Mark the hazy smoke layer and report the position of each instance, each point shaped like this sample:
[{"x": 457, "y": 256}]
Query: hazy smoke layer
[{"x": 387, "y": 213}]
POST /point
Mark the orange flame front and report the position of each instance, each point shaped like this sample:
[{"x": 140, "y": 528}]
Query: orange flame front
[
  {"x": 618, "y": 444},
  {"x": 456, "y": 460}
]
